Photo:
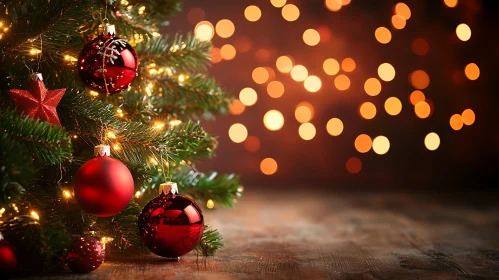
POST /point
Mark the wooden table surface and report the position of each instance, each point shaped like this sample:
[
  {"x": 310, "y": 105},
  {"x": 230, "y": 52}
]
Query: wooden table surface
[{"x": 327, "y": 235}]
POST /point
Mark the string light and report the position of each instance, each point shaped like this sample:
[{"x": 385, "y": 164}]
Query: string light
[
  {"x": 2, "y": 211},
  {"x": 138, "y": 194},
  {"x": 210, "y": 204},
  {"x": 70, "y": 58},
  {"x": 93, "y": 93},
  {"x": 66, "y": 194},
  {"x": 35, "y": 215},
  {"x": 111, "y": 135},
  {"x": 159, "y": 125},
  {"x": 14, "y": 206},
  {"x": 175, "y": 122},
  {"x": 34, "y": 51},
  {"x": 116, "y": 147}
]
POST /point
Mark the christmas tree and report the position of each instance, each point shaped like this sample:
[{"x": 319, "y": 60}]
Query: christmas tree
[{"x": 151, "y": 125}]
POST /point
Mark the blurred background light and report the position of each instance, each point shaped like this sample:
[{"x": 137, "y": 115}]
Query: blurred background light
[
  {"x": 268, "y": 166},
  {"x": 238, "y": 133},
  {"x": 432, "y": 141},
  {"x": 299, "y": 73},
  {"x": 311, "y": 37},
  {"x": 312, "y": 84},
  {"x": 290, "y": 12},
  {"x": 393, "y": 106},
  {"x": 353, "y": 165},
  {"x": 386, "y": 72},
  {"x": 275, "y": 89},
  {"x": 422, "y": 109},
  {"x": 372, "y": 86},
  {"x": 463, "y": 32},
  {"x": 348, "y": 64},
  {"x": 456, "y": 122},
  {"x": 225, "y": 28},
  {"x": 381, "y": 145},
  {"x": 248, "y": 96},
  {"x": 334, "y": 127},
  {"x": 363, "y": 143},
  {"x": 284, "y": 64},
  {"x": 204, "y": 31},
  {"x": 367, "y": 110},
  {"x": 273, "y": 120},
  {"x": 304, "y": 112},
  {"x": 383, "y": 35},
  {"x": 468, "y": 117},
  {"x": 252, "y": 13},
  {"x": 307, "y": 131},
  {"x": 331, "y": 66},
  {"x": 342, "y": 82}
]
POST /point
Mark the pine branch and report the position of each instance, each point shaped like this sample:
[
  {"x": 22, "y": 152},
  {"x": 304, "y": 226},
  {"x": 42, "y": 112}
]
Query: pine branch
[
  {"x": 16, "y": 171},
  {"x": 42, "y": 140},
  {"x": 133, "y": 142},
  {"x": 147, "y": 15},
  {"x": 210, "y": 243},
  {"x": 185, "y": 54},
  {"x": 221, "y": 189}
]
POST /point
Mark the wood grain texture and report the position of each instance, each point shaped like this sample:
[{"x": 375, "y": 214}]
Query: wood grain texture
[{"x": 326, "y": 235}]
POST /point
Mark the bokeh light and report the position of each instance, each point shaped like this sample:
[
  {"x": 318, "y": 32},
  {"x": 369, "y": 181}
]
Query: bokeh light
[
  {"x": 472, "y": 71},
  {"x": 334, "y": 127},
  {"x": 348, "y": 64},
  {"x": 372, "y": 86},
  {"x": 422, "y": 109},
  {"x": 299, "y": 73},
  {"x": 243, "y": 44},
  {"x": 304, "y": 112},
  {"x": 331, "y": 66},
  {"x": 307, "y": 131},
  {"x": 398, "y": 21},
  {"x": 275, "y": 89},
  {"x": 432, "y": 141},
  {"x": 386, "y": 72},
  {"x": 463, "y": 32},
  {"x": 416, "y": 96},
  {"x": 403, "y": 10},
  {"x": 238, "y": 133},
  {"x": 228, "y": 52},
  {"x": 204, "y": 31},
  {"x": 381, "y": 145},
  {"x": 353, "y": 165},
  {"x": 419, "y": 79},
  {"x": 252, "y": 144},
  {"x": 248, "y": 96},
  {"x": 216, "y": 57},
  {"x": 278, "y": 3},
  {"x": 268, "y": 166},
  {"x": 342, "y": 82},
  {"x": 367, "y": 110},
  {"x": 456, "y": 122},
  {"x": 333, "y": 5},
  {"x": 284, "y": 64},
  {"x": 273, "y": 120},
  {"x": 260, "y": 75},
  {"x": 237, "y": 107},
  {"x": 290, "y": 12},
  {"x": 363, "y": 143},
  {"x": 225, "y": 28},
  {"x": 468, "y": 117},
  {"x": 252, "y": 13},
  {"x": 383, "y": 35},
  {"x": 262, "y": 55},
  {"x": 393, "y": 106},
  {"x": 312, "y": 84},
  {"x": 420, "y": 46},
  {"x": 450, "y": 3},
  {"x": 311, "y": 37}
]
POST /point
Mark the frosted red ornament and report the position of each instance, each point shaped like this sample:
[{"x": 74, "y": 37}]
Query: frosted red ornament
[
  {"x": 108, "y": 64},
  {"x": 103, "y": 186},
  {"x": 86, "y": 255},
  {"x": 171, "y": 225}
]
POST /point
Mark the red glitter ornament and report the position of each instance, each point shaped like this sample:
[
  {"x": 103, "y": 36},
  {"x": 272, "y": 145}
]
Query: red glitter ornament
[
  {"x": 108, "y": 64},
  {"x": 8, "y": 257},
  {"x": 38, "y": 102},
  {"x": 171, "y": 225},
  {"x": 103, "y": 186},
  {"x": 86, "y": 255}
]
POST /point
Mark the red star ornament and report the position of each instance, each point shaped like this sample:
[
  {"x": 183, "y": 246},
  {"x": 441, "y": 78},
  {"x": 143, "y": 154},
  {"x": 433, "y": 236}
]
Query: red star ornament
[{"x": 38, "y": 102}]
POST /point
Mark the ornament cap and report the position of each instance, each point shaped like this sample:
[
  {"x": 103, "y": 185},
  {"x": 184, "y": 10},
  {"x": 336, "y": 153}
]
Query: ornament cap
[
  {"x": 36, "y": 76},
  {"x": 110, "y": 29},
  {"x": 102, "y": 150},
  {"x": 169, "y": 187}
]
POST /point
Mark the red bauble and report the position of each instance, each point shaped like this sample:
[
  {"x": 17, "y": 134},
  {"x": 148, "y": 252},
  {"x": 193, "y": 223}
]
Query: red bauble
[
  {"x": 103, "y": 186},
  {"x": 108, "y": 64},
  {"x": 8, "y": 257},
  {"x": 38, "y": 102},
  {"x": 171, "y": 225},
  {"x": 87, "y": 254}
]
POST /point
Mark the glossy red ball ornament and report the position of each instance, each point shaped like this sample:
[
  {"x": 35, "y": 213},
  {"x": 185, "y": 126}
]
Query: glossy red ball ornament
[
  {"x": 103, "y": 186},
  {"x": 171, "y": 225},
  {"x": 86, "y": 255},
  {"x": 8, "y": 257},
  {"x": 108, "y": 64}
]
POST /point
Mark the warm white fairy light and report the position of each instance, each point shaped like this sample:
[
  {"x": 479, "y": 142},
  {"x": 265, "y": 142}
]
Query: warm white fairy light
[
  {"x": 66, "y": 193},
  {"x": 35, "y": 215},
  {"x": 210, "y": 204},
  {"x": 175, "y": 122}
]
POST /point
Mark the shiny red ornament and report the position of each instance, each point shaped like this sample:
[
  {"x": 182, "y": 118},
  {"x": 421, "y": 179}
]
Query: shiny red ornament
[
  {"x": 171, "y": 225},
  {"x": 8, "y": 257},
  {"x": 108, "y": 64},
  {"x": 38, "y": 102},
  {"x": 86, "y": 255},
  {"x": 103, "y": 186}
]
